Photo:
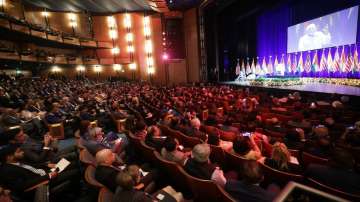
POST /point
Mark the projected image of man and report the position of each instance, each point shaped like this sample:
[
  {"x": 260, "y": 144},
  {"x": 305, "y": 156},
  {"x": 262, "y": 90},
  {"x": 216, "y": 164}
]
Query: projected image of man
[{"x": 314, "y": 39}]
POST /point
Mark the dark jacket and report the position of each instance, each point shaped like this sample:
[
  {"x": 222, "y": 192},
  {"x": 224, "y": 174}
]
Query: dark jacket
[
  {"x": 243, "y": 191},
  {"x": 106, "y": 175}
]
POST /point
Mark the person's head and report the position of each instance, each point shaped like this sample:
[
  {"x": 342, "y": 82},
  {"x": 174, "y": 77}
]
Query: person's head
[
  {"x": 11, "y": 153},
  {"x": 15, "y": 134},
  {"x": 242, "y": 145},
  {"x": 195, "y": 123},
  {"x": 322, "y": 135},
  {"x": 170, "y": 144},
  {"x": 95, "y": 132},
  {"x": 281, "y": 155},
  {"x": 134, "y": 172},
  {"x": 140, "y": 126},
  {"x": 252, "y": 173},
  {"x": 214, "y": 139},
  {"x": 55, "y": 107},
  {"x": 201, "y": 153},
  {"x": 105, "y": 157},
  {"x": 153, "y": 131},
  {"x": 310, "y": 29},
  {"x": 125, "y": 181}
]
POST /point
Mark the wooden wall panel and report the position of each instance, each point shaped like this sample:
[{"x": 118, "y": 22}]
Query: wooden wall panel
[{"x": 192, "y": 45}]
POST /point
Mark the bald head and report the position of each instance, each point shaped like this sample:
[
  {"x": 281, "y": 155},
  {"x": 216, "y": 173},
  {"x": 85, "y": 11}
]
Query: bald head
[{"x": 105, "y": 157}]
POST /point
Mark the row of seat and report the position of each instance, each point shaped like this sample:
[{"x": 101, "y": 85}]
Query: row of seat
[{"x": 229, "y": 161}]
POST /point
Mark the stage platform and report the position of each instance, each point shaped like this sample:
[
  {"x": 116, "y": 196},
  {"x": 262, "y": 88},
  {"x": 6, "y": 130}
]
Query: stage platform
[{"x": 308, "y": 87}]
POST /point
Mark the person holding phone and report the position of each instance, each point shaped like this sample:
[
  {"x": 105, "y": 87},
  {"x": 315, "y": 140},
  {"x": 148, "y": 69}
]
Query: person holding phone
[{"x": 246, "y": 147}]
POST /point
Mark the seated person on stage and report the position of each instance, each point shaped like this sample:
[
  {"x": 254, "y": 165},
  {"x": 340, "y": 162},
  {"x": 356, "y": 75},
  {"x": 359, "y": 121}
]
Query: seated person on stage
[
  {"x": 281, "y": 159},
  {"x": 39, "y": 153},
  {"x": 214, "y": 139},
  {"x": 199, "y": 165},
  {"x": 105, "y": 172},
  {"x": 19, "y": 176},
  {"x": 171, "y": 151},
  {"x": 248, "y": 188},
  {"x": 339, "y": 173},
  {"x": 320, "y": 145},
  {"x": 246, "y": 148}
]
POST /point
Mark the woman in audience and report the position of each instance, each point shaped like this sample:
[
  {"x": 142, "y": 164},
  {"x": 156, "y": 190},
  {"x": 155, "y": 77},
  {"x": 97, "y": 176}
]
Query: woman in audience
[
  {"x": 281, "y": 159},
  {"x": 246, "y": 148},
  {"x": 171, "y": 151}
]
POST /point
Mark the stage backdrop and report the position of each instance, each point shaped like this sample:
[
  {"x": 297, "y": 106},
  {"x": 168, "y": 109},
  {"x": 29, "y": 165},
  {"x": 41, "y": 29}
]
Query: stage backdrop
[{"x": 272, "y": 25}]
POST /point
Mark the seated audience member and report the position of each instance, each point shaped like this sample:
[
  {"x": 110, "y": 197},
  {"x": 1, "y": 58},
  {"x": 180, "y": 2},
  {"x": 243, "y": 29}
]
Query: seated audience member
[
  {"x": 214, "y": 139},
  {"x": 320, "y": 145},
  {"x": 199, "y": 165},
  {"x": 143, "y": 180},
  {"x": 105, "y": 172},
  {"x": 54, "y": 115},
  {"x": 19, "y": 176},
  {"x": 95, "y": 135},
  {"x": 338, "y": 173},
  {"x": 171, "y": 151},
  {"x": 352, "y": 135},
  {"x": 195, "y": 129},
  {"x": 140, "y": 130},
  {"x": 281, "y": 159},
  {"x": 154, "y": 138},
  {"x": 295, "y": 139},
  {"x": 248, "y": 188},
  {"x": 127, "y": 192},
  {"x": 39, "y": 153},
  {"x": 246, "y": 148}
]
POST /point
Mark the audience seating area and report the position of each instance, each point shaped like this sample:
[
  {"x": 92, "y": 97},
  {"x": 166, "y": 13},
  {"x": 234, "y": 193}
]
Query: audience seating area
[{"x": 229, "y": 131}]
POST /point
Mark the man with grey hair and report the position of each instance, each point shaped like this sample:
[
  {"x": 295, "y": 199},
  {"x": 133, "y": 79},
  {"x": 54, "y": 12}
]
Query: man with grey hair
[
  {"x": 105, "y": 172},
  {"x": 199, "y": 165},
  {"x": 195, "y": 129}
]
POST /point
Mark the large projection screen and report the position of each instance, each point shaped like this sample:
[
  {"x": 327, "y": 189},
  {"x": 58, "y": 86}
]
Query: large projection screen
[{"x": 331, "y": 30}]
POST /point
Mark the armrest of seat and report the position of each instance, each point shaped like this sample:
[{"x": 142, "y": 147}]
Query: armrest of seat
[{"x": 36, "y": 186}]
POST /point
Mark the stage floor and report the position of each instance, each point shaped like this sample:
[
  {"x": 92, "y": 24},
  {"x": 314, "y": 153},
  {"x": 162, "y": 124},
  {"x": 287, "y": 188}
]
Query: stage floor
[{"x": 309, "y": 87}]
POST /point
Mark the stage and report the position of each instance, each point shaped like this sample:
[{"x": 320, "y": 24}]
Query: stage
[{"x": 308, "y": 87}]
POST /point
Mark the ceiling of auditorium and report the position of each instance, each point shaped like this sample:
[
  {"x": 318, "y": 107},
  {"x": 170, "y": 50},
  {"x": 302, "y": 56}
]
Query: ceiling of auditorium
[
  {"x": 94, "y": 6},
  {"x": 113, "y": 6}
]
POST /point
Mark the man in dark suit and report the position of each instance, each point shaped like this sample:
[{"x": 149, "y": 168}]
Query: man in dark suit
[
  {"x": 16, "y": 175},
  {"x": 338, "y": 174},
  {"x": 105, "y": 172},
  {"x": 248, "y": 188},
  {"x": 19, "y": 176}
]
